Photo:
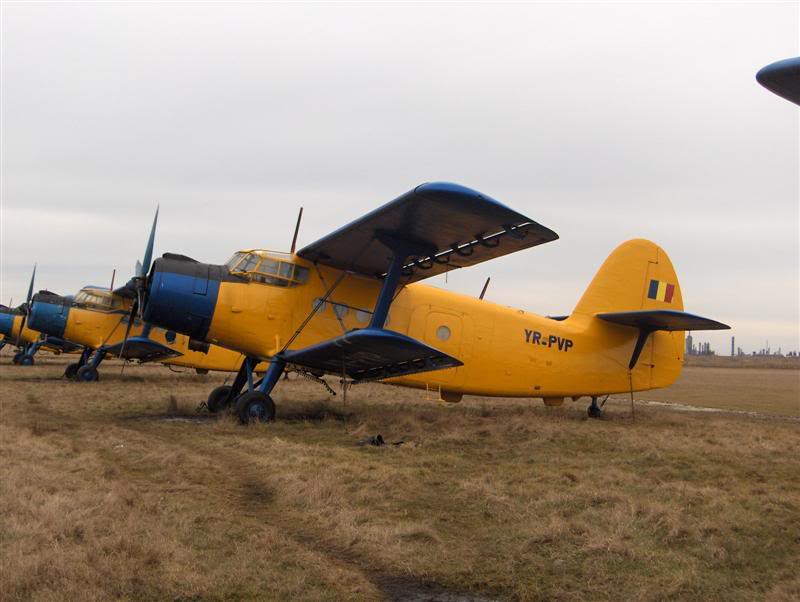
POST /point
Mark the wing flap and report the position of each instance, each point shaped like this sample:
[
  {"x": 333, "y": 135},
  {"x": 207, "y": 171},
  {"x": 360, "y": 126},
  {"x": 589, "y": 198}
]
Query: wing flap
[
  {"x": 142, "y": 349},
  {"x": 662, "y": 319},
  {"x": 371, "y": 354},
  {"x": 443, "y": 226}
]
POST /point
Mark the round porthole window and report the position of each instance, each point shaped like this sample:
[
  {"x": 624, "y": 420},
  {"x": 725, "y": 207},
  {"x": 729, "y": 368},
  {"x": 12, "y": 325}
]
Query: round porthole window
[
  {"x": 316, "y": 302},
  {"x": 340, "y": 310},
  {"x": 443, "y": 333},
  {"x": 169, "y": 336},
  {"x": 363, "y": 316}
]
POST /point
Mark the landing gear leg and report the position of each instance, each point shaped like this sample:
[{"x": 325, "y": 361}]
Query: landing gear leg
[
  {"x": 595, "y": 411},
  {"x": 25, "y": 358},
  {"x": 256, "y": 405},
  {"x": 89, "y": 373},
  {"x": 72, "y": 369}
]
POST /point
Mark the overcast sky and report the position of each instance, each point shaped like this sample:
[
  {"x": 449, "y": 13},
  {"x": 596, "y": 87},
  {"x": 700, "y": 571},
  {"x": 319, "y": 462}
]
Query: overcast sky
[{"x": 603, "y": 122}]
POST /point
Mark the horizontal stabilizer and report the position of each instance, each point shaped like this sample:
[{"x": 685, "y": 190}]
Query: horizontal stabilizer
[
  {"x": 439, "y": 226},
  {"x": 370, "y": 354},
  {"x": 662, "y": 319},
  {"x": 142, "y": 349}
]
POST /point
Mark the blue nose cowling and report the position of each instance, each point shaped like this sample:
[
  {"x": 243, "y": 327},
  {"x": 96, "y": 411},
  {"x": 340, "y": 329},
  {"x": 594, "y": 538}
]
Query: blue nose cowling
[
  {"x": 6, "y": 323},
  {"x": 182, "y": 294},
  {"x": 49, "y": 314}
]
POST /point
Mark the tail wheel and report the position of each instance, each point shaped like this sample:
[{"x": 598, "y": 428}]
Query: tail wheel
[
  {"x": 17, "y": 358},
  {"x": 218, "y": 399},
  {"x": 87, "y": 374},
  {"x": 255, "y": 406},
  {"x": 71, "y": 370}
]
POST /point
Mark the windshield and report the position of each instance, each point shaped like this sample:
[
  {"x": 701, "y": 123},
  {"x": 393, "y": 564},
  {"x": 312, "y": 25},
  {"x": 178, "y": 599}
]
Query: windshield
[{"x": 277, "y": 271}]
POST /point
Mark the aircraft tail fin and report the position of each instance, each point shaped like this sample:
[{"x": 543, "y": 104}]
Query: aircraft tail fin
[{"x": 638, "y": 275}]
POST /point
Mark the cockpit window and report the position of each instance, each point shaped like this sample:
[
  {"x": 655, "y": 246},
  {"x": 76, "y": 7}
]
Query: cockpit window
[
  {"x": 231, "y": 263},
  {"x": 96, "y": 301},
  {"x": 276, "y": 271}
]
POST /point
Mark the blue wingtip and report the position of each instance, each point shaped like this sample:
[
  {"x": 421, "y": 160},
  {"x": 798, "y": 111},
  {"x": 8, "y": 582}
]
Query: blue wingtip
[{"x": 782, "y": 78}]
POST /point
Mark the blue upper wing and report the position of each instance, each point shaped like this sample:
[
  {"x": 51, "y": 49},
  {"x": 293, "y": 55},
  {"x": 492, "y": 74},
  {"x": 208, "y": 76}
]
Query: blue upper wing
[{"x": 444, "y": 227}]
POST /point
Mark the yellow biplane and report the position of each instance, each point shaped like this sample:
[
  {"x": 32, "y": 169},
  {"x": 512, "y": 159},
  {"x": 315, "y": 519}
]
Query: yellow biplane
[
  {"x": 15, "y": 329},
  {"x": 105, "y": 323},
  {"x": 352, "y": 305}
]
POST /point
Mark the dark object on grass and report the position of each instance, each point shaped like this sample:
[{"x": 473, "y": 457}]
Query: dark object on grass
[{"x": 376, "y": 440}]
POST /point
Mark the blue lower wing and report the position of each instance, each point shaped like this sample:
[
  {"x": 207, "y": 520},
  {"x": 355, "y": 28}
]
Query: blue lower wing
[
  {"x": 371, "y": 354},
  {"x": 142, "y": 349}
]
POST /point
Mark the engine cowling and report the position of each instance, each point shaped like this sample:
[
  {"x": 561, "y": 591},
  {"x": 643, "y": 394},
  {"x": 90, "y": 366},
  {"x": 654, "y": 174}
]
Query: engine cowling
[
  {"x": 181, "y": 294},
  {"x": 49, "y": 313}
]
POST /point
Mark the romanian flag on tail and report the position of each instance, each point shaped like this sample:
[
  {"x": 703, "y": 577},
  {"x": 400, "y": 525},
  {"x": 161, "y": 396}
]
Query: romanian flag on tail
[{"x": 661, "y": 291}]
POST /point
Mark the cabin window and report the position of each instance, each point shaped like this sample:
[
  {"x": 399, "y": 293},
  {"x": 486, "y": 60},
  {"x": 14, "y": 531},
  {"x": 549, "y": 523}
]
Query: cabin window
[
  {"x": 300, "y": 274},
  {"x": 443, "y": 333},
  {"x": 285, "y": 270},
  {"x": 268, "y": 266},
  {"x": 363, "y": 316},
  {"x": 322, "y": 305},
  {"x": 249, "y": 264},
  {"x": 339, "y": 310}
]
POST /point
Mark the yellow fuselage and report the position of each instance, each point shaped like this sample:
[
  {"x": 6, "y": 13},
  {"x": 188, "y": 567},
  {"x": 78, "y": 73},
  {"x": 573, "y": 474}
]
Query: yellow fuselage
[
  {"x": 506, "y": 352},
  {"x": 96, "y": 328}
]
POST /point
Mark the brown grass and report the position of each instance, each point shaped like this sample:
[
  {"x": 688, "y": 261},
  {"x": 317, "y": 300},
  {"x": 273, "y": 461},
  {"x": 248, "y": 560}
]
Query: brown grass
[{"x": 118, "y": 489}]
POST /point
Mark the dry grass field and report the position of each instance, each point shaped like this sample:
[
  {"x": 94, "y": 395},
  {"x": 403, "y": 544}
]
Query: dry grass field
[{"x": 120, "y": 490}]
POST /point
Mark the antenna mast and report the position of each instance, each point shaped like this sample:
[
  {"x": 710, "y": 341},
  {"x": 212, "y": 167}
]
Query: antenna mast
[{"x": 296, "y": 230}]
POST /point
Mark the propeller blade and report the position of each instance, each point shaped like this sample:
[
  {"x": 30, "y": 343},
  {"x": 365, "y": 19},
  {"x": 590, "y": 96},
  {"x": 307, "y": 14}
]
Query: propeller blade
[
  {"x": 148, "y": 252},
  {"x": 30, "y": 287},
  {"x": 27, "y": 306}
]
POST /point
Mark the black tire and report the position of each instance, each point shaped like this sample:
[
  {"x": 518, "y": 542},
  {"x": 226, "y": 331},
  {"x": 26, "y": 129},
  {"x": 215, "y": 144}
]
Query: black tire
[
  {"x": 17, "y": 357},
  {"x": 201, "y": 371},
  {"x": 87, "y": 374},
  {"x": 26, "y": 360},
  {"x": 255, "y": 406},
  {"x": 594, "y": 412},
  {"x": 218, "y": 399},
  {"x": 72, "y": 370}
]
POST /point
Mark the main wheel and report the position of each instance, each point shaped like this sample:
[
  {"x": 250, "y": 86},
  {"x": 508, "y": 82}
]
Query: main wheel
[
  {"x": 201, "y": 371},
  {"x": 26, "y": 360},
  {"x": 17, "y": 357},
  {"x": 218, "y": 399},
  {"x": 72, "y": 370},
  {"x": 87, "y": 374},
  {"x": 255, "y": 406},
  {"x": 594, "y": 410}
]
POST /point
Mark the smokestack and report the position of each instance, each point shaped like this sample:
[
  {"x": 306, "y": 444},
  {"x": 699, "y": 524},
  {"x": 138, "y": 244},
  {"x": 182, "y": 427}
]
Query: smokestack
[{"x": 733, "y": 349}]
